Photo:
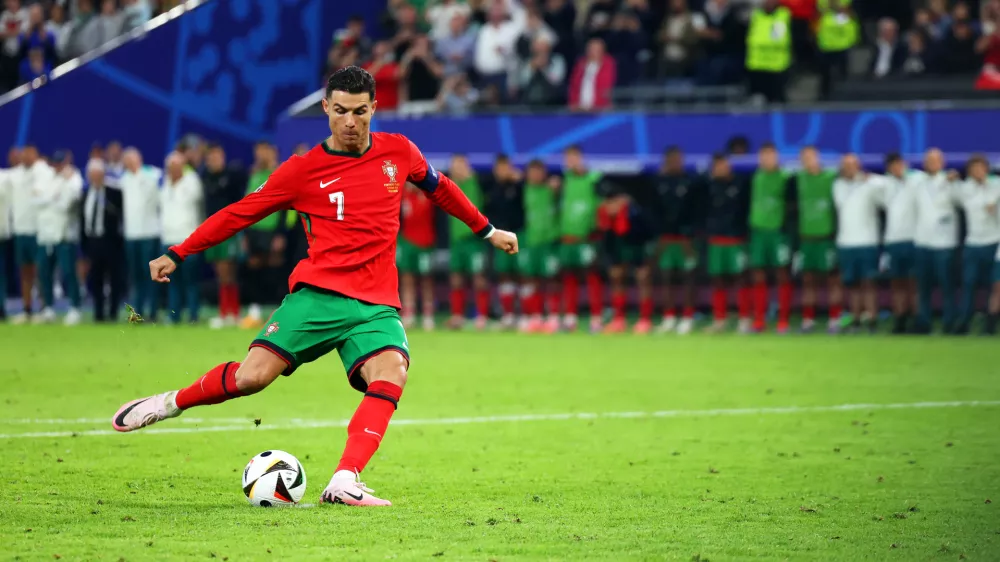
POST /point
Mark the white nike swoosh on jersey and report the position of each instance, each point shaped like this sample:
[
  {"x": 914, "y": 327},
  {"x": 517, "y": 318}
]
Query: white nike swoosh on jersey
[{"x": 323, "y": 185}]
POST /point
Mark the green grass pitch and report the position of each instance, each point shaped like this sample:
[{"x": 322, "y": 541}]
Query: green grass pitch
[{"x": 516, "y": 447}]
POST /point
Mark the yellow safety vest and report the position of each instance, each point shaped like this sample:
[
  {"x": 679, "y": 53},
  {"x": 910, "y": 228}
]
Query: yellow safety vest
[
  {"x": 823, "y": 6},
  {"x": 837, "y": 32},
  {"x": 769, "y": 41}
]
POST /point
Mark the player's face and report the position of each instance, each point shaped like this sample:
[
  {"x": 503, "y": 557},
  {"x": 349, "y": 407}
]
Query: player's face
[
  {"x": 29, "y": 155},
  {"x": 768, "y": 159},
  {"x": 721, "y": 168},
  {"x": 501, "y": 169},
  {"x": 810, "y": 159},
  {"x": 933, "y": 161},
  {"x": 536, "y": 175},
  {"x": 573, "y": 160},
  {"x": 897, "y": 168},
  {"x": 977, "y": 170},
  {"x": 459, "y": 167},
  {"x": 350, "y": 118},
  {"x": 216, "y": 160},
  {"x": 114, "y": 152},
  {"x": 849, "y": 165},
  {"x": 674, "y": 162}
]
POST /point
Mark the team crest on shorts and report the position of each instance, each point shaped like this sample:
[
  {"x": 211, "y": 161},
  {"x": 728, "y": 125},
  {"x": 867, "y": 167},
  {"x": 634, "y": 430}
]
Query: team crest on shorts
[
  {"x": 390, "y": 170},
  {"x": 271, "y": 328}
]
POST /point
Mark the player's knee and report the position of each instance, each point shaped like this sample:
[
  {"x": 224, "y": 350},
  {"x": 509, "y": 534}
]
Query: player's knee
[{"x": 390, "y": 367}]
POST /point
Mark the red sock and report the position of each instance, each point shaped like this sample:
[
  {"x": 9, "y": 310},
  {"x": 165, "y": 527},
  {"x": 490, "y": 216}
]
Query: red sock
[
  {"x": 759, "y": 304},
  {"x": 689, "y": 311},
  {"x": 835, "y": 312},
  {"x": 536, "y": 303},
  {"x": 483, "y": 302},
  {"x": 743, "y": 300},
  {"x": 214, "y": 387},
  {"x": 571, "y": 289},
  {"x": 554, "y": 299},
  {"x": 784, "y": 302},
  {"x": 223, "y": 301},
  {"x": 365, "y": 431},
  {"x": 808, "y": 312},
  {"x": 234, "y": 299},
  {"x": 595, "y": 294},
  {"x": 618, "y": 304},
  {"x": 508, "y": 293},
  {"x": 646, "y": 309},
  {"x": 719, "y": 304},
  {"x": 457, "y": 302}
]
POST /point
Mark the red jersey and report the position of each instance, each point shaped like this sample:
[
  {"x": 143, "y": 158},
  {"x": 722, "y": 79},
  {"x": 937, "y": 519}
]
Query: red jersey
[
  {"x": 349, "y": 204},
  {"x": 418, "y": 218}
]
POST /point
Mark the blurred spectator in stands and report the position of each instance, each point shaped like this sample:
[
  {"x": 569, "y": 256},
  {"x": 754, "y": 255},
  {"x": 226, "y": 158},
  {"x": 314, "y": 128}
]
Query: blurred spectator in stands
[
  {"x": 837, "y": 34},
  {"x": 110, "y": 22},
  {"x": 989, "y": 47},
  {"x": 628, "y": 45},
  {"x": 84, "y": 32},
  {"x": 13, "y": 22},
  {"x": 441, "y": 15},
  {"x": 805, "y": 14},
  {"x": 477, "y": 12},
  {"x": 593, "y": 78},
  {"x": 560, "y": 16},
  {"x": 135, "y": 13},
  {"x": 421, "y": 73},
  {"x": 59, "y": 28},
  {"x": 938, "y": 18},
  {"x": 337, "y": 58},
  {"x": 680, "y": 38},
  {"x": 597, "y": 23},
  {"x": 34, "y": 66},
  {"x": 722, "y": 43},
  {"x": 890, "y": 53},
  {"x": 916, "y": 54},
  {"x": 406, "y": 29},
  {"x": 957, "y": 49},
  {"x": 455, "y": 49},
  {"x": 489, "y": 97},
  {"x": 540, "y": 81},
  {"x": 104, "y": 242},
  {"x": 353, "y": 36},
  {"x": 989, "y": 16},
  {"x": 457, "y": 96},
  {"x": 37, "y": 36},
  {"x": 648, "y": 21},
  {"x": 534, "y": 27},
  {"x": 495, "y": 46},
  {"x": 769, "y": 51},
  {"x": 922, "y": 23},
  {"x": 386, "y": 72}
]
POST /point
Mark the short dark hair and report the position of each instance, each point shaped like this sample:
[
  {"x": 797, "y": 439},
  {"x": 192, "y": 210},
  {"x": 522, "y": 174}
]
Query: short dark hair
[
  {"x": 501, "y": 159},
  {"x": 353, "y": 80},
  {"x": 574, "y": 148},
  {"x": 719, "y": 157},
  {"x": 768, "y": 146},
  {"x": 213, "y": 146},
  {"x": 672, "y": 149},
  {"x": 892, "y": 158},
  {"x": 356, "y": 18},
  {"x": 537, "y": 163},
  {"x": 979, "y": 159}
]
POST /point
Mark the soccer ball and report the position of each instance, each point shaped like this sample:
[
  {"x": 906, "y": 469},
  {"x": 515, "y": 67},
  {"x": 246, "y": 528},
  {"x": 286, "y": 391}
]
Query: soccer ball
[{"x": 274, "y": 478}]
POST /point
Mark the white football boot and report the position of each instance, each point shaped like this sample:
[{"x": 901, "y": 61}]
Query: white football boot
[
  {"x": 145, "y": 411},
  {"x": 346, "y": 488}
]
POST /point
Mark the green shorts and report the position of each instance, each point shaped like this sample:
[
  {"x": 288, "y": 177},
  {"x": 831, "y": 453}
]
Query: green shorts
[
  {"x": 504, "y": 263},
  {"x": 622, "y": 252},
  {"x": 818, "y": 256},
  {"x": 578, "y": 255},
  {"x": 726, "y": 259},
  {"x": 411, "y": 258},
  {"x": 226, "y": 251},
  {"x": 467, "y": 256},
  {"x": 539, "y": 261},
  {"x": 769, "y": 249},
  {"x": 674, "y": 257},
  {"x": 311, "y": 323}
]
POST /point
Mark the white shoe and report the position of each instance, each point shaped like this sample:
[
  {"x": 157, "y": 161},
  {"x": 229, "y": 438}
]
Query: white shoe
[
  {"x": 346, "y": 489},
  {"x": 216, "y": 323},
  {"x": 19, "y": 319},
  {"x": 73, "y": 317},
  {"x": 145, "y": 411},
  {"x": 254, "y": 312},
  {"x": 668, "y": 325},
  {"x": 685, "y": 326},
  {"x": 745, "y": 326},
  {"x": 508, "y": 322},
  {"x": 717, "y": 327},
  {"x": 570, "y": 322},
  {"x": 427, "y": 323},
  {"x": 47, "y": 316}
]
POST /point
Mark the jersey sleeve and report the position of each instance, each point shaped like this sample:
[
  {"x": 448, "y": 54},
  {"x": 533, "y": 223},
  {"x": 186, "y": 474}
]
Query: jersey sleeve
[
  {"x": 275, "y": 194},
  {"x": 445, "y": 193}
]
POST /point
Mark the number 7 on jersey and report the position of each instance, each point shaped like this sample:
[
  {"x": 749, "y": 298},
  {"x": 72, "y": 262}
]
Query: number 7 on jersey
[{"x": 337, "y": 198}]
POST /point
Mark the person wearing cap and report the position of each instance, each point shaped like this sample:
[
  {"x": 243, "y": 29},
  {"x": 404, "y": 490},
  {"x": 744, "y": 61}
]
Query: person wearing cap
[
  {"x": 103, "y": 241},
  {"x": 57, "y": 201}
]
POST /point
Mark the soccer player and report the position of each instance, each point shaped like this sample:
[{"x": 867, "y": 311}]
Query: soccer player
[
  {"x": 627, "y": 234},
  {"x": 223, "y": 185},
  {"x": 141, "y": 201},
  {"x": 679, "y": 209},
  {"x": 726, "y": 226},
  {"x": 538, "y": 262},
  {"x": 858, "y": 197},
  {"x": 769, "y": 251},
  {"x": 994, "y": 305},
  {"x": 813, "y": 187},
  {"x": 935, "y": 240},
  {"x": 29, "y": 172},
  {"x": 344, "y": 295},
  {"x": 900, "y": 223},
  {"x": 57, "y": 202},
  {"x": 414, "y": 253},
  {"x": 979, "y": 196},
  {"x": 582, "y": 192},
  {"x": 6, "y": 194},
  {"x": 505, "y": 204},
  {"x": 181, "y": 209},
  {"x": 466, "y": 255}
]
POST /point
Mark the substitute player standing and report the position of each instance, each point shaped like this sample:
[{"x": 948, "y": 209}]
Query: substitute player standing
[
  {"x": 769, "y": 251},
  {"x": 537, "y": 262},
  {"x": 979, "y": 196},
  {"x": 726, "y": 226},
  {"x": 466, "y": 257},
  {"x": 900, "y": 223},
  {"x": 582, "y": 191},
  {"x": 344, "y": 295},
  {"x": 505, "y": 203},
  {"x": 858, "y": 197},
  {"x": 414, "y": 254}
]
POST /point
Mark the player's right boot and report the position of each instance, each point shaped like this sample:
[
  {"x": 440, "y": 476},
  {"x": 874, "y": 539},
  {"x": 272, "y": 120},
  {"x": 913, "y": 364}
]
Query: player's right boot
[
  {"x": 669, "y": 324},
  {"x": 145, "y": 411},
  {"x": 570, "y": 322},
  {"x": 685, "y": 326},
  {"x": 349, "y": 490}
]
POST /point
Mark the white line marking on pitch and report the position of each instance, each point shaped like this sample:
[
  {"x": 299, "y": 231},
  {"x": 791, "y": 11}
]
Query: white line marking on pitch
[{"x": 246, "y": 424}]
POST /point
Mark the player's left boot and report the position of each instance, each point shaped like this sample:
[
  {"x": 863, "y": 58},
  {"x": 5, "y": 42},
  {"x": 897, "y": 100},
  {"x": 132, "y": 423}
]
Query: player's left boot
[
  {"x": 145, "y": 411},
  {"x": 782, "y": 327},
  {"x": 73, "y": 317},
  {"x": 427, "y": 323},
  {"x": 551, "y": 325},
  {"x": 669, "y": 324},
  {"x": 685, "y": 326},
  {"x": 481, "y": 322},
  {"x": 643, "y": 326},
  {"x": 616, "y": 326},
  {"x": 745, "y": 326},
  {"x": 596, "y": 326},
  {"x": 47, "y": 316},
  {"x": 348, "y": 489}
]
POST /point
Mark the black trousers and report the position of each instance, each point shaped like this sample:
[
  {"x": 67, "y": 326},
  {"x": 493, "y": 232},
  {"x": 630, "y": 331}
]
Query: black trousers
[
  {"x": 107, "y": 268},
  {"x": 771, "y": 85}
]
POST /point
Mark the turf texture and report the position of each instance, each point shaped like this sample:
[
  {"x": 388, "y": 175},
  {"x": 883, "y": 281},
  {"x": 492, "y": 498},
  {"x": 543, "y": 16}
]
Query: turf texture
[{"x": 515, "y": 447}]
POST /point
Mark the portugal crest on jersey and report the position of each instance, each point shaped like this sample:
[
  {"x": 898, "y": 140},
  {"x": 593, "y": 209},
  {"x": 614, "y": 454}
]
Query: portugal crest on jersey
[
  {"x": 272, "y": 328},
  {"x": 390, "y": 170}
]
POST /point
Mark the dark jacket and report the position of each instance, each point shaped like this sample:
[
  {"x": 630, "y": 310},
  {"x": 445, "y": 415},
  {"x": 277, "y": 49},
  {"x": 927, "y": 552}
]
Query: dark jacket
[
  {"x": 678, "y": 205},
  {"x": 728, "y": 207},
  {"x": 113, "y": 235},
  {"x": 222, "y": 188},
  {"x": 504, "y": 203}
]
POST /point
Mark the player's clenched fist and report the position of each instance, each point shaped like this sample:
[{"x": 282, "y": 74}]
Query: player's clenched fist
[
  {"x": 506, "y": 241},
  {"x": 161, "y": 268}
]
